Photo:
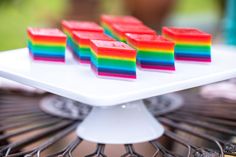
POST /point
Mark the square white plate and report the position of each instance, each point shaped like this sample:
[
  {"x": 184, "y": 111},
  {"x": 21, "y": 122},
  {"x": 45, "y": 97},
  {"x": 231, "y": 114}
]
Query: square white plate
[{"x": 78, "y": 82}]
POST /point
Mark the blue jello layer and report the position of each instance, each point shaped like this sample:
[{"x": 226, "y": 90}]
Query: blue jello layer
[
  {"x": 46, "y": 53},
  {"x": 150, "y": 62},
  {"x": 193, "y": 51},
  {"x": 156, "y": 60},
  {"x": 181, "y": 54},
  {"x": 71, "y": 44},
  {"x": 112, "y": 70},
  {"x": 82, "y": 57},
  {"x": 109, "y": 66}
]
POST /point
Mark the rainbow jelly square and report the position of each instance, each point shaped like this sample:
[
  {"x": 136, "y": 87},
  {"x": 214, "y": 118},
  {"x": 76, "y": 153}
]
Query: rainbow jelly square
[
  {"x": 113, "y": 59},
  {"x": 119, "y": 31},
  {"x": 46, "y": 44},
  {"x": 71, "y": 25},
  {"x": 153, "y": 51},
  {"x": 191, "y": 44},
  {"x": 82, "y": 41},
  {"x": 108, "y": 20}
]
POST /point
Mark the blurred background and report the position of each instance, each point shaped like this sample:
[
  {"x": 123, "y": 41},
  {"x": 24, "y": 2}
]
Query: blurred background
[
  {"x": 17, "y": 15},
  {"x": 214, "y": 16}
]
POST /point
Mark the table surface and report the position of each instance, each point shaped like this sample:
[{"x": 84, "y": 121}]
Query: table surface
[{"x": 78, "y": 82}]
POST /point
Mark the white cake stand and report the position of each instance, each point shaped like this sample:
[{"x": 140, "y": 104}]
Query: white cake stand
[{"x": 119, "y": 115}]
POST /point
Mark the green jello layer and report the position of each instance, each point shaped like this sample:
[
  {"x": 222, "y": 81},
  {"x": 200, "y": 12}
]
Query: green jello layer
[
  {"x": 192, "y": 47},
  {"x": 83, "y": 52},
  {"x": 83, "y": 48},
  {"x": 112, "y": 62},
  {"x": 50, "y": 48},
  {"x": 151, "y": 55}
]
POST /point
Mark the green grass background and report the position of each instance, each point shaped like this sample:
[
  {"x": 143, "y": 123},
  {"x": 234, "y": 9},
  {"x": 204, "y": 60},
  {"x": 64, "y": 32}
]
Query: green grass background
[{"x": 17, "y": 15}]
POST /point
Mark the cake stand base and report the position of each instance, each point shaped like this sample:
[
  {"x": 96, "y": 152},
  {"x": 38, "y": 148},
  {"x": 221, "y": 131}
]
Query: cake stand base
[{"x": 122, "y": 124}]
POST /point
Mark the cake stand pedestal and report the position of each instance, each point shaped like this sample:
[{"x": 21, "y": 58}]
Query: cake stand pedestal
[{"x": 127, "y": 123}]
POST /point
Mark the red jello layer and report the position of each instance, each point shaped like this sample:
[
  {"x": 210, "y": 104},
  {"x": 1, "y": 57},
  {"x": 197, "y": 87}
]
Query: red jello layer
[
  {"x": 47, "y": 40},
  {"x": 119, "y": 54},
  {"x": 82, "y": 26},
  {"x": 49, "y": 35},
  {"x": 183, "y": 34},
  {"x": 83, "y": 37},
  {"x": 140, "y": 29},
  {"x": 114, "y": 48},
  {"x": 149, "y": 41}
]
